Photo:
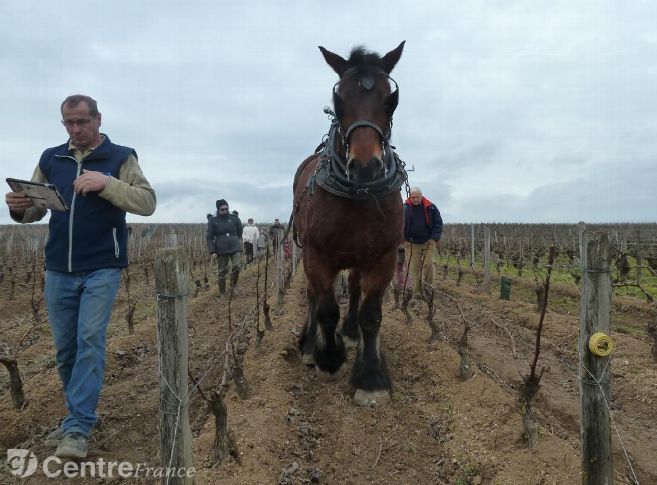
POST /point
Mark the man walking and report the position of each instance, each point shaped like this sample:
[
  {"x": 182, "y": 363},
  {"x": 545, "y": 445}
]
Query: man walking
[
  {"x": 262, "y": 244},
  {"x": 276, "y": 233},
  {"x": 85, "y": 255},
  {"x": 423, "y": 228},
  {"x": 224, "y": 237},
  {"x": 250, "y": 236}
]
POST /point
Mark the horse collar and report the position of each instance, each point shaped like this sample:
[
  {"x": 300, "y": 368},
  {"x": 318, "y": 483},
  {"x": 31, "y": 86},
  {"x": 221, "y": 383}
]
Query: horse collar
[{"x": 332, "y": 175}]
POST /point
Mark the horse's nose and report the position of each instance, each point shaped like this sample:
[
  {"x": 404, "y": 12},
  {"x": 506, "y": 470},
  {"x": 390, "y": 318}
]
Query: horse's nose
[{"x": 366, "y": 172}]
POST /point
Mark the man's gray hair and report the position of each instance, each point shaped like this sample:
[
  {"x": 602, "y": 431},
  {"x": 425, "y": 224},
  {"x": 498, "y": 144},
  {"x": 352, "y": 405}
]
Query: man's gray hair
[
  {"x": 75, "y": 99},
  {"x": 415, "y": 189}
]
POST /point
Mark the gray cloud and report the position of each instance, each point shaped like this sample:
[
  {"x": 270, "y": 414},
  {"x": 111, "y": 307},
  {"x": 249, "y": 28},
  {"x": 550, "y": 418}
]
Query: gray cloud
[{"x": 508, "y": 112}]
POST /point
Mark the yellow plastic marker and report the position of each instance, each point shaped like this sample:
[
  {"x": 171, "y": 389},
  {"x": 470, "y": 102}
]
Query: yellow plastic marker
[{"x": 600, "y": 344}]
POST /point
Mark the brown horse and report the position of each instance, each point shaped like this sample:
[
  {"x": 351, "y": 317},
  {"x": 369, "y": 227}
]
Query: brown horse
[{"x": 348, "y": 215}]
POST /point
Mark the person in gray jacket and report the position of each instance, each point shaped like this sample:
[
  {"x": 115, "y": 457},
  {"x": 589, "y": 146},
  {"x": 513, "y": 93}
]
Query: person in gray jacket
[{"x": 224, "y": 238}]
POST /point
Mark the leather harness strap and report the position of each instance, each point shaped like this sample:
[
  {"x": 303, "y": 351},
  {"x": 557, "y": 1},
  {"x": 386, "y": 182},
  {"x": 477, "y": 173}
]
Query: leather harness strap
[{"x": 332, "y": 175}]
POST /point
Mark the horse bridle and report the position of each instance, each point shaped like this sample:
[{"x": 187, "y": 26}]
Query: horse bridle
[{"x": 367, "y": 81}]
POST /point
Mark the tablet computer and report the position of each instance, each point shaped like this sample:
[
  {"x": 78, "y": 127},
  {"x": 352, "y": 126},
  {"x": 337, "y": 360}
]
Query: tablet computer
[{"x": 45, "y": 196}]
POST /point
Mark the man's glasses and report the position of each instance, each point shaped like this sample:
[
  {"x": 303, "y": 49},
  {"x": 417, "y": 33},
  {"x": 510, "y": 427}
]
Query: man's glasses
[
  {"x": 223, "y": 209},
  {"x": 81, "y": 122}
]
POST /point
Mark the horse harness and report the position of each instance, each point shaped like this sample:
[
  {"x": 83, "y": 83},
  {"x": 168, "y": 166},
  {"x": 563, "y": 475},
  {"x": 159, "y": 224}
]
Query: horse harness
[{"x": 333, "y": 173}]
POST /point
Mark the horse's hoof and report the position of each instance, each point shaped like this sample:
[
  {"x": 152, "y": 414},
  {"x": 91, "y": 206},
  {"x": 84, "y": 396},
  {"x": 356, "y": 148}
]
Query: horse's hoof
[
  {"x": 308, "y": 360},
  {"x": 371, "y": 398},
  {"x": 329, "y": 376}
]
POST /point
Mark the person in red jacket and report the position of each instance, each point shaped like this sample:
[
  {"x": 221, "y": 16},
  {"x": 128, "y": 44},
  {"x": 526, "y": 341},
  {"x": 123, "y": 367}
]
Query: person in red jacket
[{"x": 423, "y": 228}]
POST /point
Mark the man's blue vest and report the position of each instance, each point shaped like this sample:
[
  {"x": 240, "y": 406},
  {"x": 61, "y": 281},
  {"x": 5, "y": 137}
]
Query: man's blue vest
[{"x": 93, "y": 234}]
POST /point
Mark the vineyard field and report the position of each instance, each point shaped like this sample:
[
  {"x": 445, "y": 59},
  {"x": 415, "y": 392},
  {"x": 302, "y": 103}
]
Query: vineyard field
[{"x": 295, "y": 428}]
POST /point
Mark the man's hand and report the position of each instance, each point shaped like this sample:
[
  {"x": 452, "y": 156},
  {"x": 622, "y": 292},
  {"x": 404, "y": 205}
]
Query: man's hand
[
  {"x": 90, "y": 181},
  {"x": 18, "y": 202}
]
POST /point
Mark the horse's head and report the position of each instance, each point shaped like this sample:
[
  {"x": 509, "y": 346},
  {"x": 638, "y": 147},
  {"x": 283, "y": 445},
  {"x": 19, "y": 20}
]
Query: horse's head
[{"x": 364, "y": 102}]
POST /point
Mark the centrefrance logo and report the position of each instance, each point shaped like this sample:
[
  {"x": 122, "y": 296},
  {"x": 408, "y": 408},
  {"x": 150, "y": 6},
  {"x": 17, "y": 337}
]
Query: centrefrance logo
[{"x": 23, "y": 463}]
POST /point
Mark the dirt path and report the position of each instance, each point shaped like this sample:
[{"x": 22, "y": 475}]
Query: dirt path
[
  {"x": 295, "y": 428},
  {"x": 437, "y": 428}
]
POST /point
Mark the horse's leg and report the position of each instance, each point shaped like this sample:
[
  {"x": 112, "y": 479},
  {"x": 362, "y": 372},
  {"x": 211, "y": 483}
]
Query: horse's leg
[
  {"x": 370, "y": 374},
  {"x": 307, "y": 337},
  {"x": 328, "y": 352},
  {"x": 350, "y": 331}
]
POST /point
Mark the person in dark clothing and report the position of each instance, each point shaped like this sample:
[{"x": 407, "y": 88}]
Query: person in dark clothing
[
  {"x": 276, "y": 233},
  {"x": 423, "y": 228},
  {"x": 224, "y": 237},
  {"x": 86, "y": 252}
]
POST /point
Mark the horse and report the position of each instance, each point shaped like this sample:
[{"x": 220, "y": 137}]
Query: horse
[{"x": 348, "y": 214}]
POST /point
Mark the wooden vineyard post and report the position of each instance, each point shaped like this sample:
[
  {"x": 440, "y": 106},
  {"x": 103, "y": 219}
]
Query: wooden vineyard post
[
  {"x": 294, "y": 258},
  {"x": 487, "y": 259},
  {"x": 581, "y": 227},
  {"x": 638, "y": 258},
  {"x": 472, "y": 246},
  {"x": 280, "y": 268},
  {"x": 594, "y": 370},
  {"x": 171, "y": 284}
]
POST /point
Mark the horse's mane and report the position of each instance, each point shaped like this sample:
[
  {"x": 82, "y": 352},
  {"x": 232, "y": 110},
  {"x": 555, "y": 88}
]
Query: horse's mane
[{"x": 363, "y": 60}]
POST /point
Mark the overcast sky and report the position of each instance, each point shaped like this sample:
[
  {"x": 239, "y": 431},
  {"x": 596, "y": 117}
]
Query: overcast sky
[{"x": 509, "y": 111}]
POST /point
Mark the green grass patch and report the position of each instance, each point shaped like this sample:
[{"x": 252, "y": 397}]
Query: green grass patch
[{"x": 530, "y": 275}]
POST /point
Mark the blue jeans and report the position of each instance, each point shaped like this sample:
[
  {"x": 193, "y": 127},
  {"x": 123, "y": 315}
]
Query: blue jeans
[{"x": 79, "y": 309}]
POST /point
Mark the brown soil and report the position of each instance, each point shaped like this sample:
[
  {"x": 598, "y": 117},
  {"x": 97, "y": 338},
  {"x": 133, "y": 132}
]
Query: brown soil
[{"x": 295, "y": 428}]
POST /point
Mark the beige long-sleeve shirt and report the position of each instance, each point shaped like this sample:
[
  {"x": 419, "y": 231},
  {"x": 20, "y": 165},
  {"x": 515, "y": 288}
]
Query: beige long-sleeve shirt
[{"x": 131, "y": 192}]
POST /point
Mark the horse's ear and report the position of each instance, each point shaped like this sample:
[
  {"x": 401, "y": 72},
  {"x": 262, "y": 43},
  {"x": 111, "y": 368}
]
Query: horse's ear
[
  {"x": 390, "y": 59},
  {"x": 338, "y": 64}
]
